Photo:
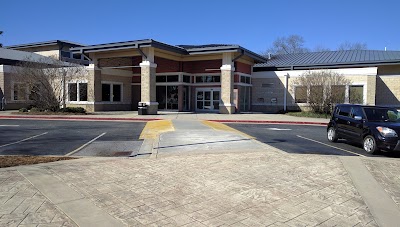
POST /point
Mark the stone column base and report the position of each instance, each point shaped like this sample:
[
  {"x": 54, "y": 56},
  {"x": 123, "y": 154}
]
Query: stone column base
[
  {"x": 152, "y": 107},
  {"x": 227, "y": 109}
]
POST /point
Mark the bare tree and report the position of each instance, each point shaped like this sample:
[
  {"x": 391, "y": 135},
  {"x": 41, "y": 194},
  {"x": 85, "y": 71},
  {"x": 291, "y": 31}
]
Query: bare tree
[
  {"x": 288, "y": 45},
  {"x": 321, "y": 89},
  {"x": 320, "y": 48},
  {"x": 45, "y": 80},
  {"x": 352, "y": 46}
]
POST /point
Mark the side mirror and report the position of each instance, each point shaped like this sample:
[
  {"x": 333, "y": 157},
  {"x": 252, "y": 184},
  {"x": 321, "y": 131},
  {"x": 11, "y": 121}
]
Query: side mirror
[{"x": 358, "y": 118}]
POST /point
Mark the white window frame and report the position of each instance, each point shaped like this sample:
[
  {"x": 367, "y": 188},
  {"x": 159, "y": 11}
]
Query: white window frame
[
  {"x": 77, "y": 82},
  {"x": 112, "y": 83},
  {"x": 364, "y": 92}
]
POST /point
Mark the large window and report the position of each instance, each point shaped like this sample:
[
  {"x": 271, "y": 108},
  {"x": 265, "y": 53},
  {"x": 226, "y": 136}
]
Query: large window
[
  {"x": 77, "y": 92},
  {"x": 338, "y": 93},
  {"x": 356, "y": 94},
  {"x": 300, "y": 94},
  {"x": 19, "y": 91},
  {"x": 172, "y": 78},
  {"x": 111, "y": 92}
]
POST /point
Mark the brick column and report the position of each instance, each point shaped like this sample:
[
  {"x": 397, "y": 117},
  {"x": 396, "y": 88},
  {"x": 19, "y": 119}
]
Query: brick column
[
  {"x": 371, "y": 89},
  {"x": 148, "y": 86},
  {"x": 227, "y": 106}
]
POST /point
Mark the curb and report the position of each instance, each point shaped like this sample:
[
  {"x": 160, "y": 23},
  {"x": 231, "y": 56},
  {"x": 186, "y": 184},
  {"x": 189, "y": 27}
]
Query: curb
[
  {"x": 272, "y": 122},
  {"x": 80, "y": 118},
  {"x": 155, "y": 119}
]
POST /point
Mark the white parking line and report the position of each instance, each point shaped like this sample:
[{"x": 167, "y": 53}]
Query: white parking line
[
  {"x": 9, "y": 125},
  {"x": 330, "y": 145},
  {"x": 84, "y": 145},
  {"x": 20, "y": 141}
]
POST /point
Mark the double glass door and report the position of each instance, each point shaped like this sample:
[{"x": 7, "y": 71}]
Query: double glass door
[{"x": 207, "y": 99}]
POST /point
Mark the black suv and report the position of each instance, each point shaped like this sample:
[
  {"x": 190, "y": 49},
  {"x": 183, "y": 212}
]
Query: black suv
[{"x": 377, "y": 128}]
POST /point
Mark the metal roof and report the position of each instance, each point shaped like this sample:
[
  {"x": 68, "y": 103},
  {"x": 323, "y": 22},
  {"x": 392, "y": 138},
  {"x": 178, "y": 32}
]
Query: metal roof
[
  {"x": 180, "y": 49},
  {"x": 13, "y": 57},
  {"x": 331, "y": 59},
  {"x": 45, "y": 43}
]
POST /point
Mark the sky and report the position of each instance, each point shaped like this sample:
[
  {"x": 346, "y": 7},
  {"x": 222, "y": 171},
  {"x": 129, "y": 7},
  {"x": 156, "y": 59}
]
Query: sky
[{"x": 252, "y": 24}]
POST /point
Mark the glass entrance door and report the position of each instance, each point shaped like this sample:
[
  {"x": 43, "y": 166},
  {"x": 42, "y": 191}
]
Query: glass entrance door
[{"x": 207, "y": 99}]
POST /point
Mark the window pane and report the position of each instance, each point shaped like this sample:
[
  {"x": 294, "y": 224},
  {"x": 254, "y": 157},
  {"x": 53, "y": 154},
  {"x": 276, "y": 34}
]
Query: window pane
[
  {"x": 248, "y": 81},
  {"x": 338, "y": 93},
  {"x": 216, "y": 79},
  {"x": 116, "y": 93},
  {"x": 316, "y": 94},
  {"x": 34, "y": 93},
  {"x": 173, "y": 78},
  {"x": 19, "y": 91},
  {"x": 300, "y": 94},
  {"x": 83, "y": 92},
  {"x": 161, "y": 79},
  {"x": 105, "y": 92},
  {"x": 186, "y": 79},
  {"x": 72, "y": 89},
  {"x": 356, "y": 94},
  {"x": 199, "y": 79},
  {"x": 344, "y": 110},
  {"x": 242, "y": 79}
]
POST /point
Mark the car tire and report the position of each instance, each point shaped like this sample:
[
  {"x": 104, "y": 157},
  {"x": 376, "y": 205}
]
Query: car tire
[
  {"x": 369, "y": 145},
  {"x": 332, "y": 135}
]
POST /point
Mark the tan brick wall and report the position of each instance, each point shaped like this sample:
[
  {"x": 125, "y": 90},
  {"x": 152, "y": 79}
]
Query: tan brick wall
[{"x": 388, "y": 90}]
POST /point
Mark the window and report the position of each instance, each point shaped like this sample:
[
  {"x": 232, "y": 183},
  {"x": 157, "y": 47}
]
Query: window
[
  {"x": 72, "y": 90},
  {"x": 161, "y": 79},
  {"x": 111, "y": 92},
  {"x": 356, "y": 94},
  {"x": 338, "y": 93},
  {"x": 19, "y": 91},
  {"x": 186, "y": 79},
  {"x": 344, "y": 111},
  {"x": 245, "y": 80},
  {"x": 208, "y": 79},
  {"x": 77, "y": 92},
  {"x": 300, "y": 94}
]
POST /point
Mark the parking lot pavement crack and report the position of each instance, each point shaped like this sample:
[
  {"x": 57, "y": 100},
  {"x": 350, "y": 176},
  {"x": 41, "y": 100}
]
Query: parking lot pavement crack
[{"x": 382, "y": 207}]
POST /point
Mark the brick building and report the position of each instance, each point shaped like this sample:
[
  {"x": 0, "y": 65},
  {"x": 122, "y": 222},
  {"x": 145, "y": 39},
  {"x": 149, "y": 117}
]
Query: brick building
[{"x": 202, "y": 78}]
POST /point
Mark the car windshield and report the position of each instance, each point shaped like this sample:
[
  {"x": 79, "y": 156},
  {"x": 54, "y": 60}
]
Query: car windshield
[{"x": 382, "y": 114}]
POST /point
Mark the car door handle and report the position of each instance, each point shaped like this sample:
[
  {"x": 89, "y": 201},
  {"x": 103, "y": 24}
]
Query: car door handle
[{"x": 348, "y": 122}]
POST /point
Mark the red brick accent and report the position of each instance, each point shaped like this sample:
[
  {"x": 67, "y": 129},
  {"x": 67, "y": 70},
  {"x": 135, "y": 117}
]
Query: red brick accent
[
  {"x": 136, "y": 79},
  {"x": 201, "y": 66},
  {"x": 242, "y": 67},
  {"x": 236, "y": 78},
  {"x": 166, "y": 65},
  {"x": 136, "y": 61}
]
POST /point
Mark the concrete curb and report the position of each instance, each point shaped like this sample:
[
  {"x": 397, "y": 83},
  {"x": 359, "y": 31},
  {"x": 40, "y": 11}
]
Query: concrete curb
[
  {"x": 272, "y": 122},
  {"x": 155, "y": 119}
]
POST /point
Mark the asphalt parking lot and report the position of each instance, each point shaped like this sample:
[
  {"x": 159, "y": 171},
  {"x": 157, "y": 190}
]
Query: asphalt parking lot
[
  {"x": 94, "y": 138},
  {"x": 303, "y": 139}
]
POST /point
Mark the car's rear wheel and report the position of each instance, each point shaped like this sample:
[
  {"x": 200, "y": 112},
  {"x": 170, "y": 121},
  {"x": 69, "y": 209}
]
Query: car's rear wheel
[
  {"x": 332, "y": 136},
  {"x": 369, "y": 145}
]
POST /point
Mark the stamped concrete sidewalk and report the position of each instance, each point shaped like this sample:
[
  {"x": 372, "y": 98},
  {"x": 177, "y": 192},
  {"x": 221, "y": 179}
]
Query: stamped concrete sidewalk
[{"x": 255, "y": 185}]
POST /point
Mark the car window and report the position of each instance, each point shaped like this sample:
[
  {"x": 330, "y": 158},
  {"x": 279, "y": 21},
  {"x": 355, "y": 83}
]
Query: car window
[
  {"x": 357, "y": 111},
  {"x": 344, "y": 110},
  {"x": 382, "y": 114}
]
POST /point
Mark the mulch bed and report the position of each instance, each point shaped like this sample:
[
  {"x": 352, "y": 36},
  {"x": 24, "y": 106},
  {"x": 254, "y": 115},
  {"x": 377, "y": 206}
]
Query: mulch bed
[{"x": 8, "y": 161}]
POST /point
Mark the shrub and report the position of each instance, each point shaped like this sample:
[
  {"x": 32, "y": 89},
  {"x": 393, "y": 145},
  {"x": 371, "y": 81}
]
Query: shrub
[
  {"x": 73, "y": 110},
  {"x": 23, "y": 110},
  {"x": 35, "y": 109}
]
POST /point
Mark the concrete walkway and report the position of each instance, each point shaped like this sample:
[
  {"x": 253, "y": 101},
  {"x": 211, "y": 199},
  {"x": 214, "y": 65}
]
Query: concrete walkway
[{"x": 195, "y": 179}]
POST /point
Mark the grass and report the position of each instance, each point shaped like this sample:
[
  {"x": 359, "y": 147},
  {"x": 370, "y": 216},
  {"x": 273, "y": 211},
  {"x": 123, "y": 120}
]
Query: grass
[
  {"x": 309, "y": 114},
  {"x": 8, "y": 161}
]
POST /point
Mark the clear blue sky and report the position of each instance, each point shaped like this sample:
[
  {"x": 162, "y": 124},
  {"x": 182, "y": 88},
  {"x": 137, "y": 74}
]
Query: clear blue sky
[{"x": 249, "y": 23}]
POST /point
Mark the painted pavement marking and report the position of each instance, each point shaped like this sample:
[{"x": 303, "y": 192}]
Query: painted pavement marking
[
  {"x": 84, "y": 145},
  {"x": 315, "y": 141},
  {"x": 20, "y": 141}
]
